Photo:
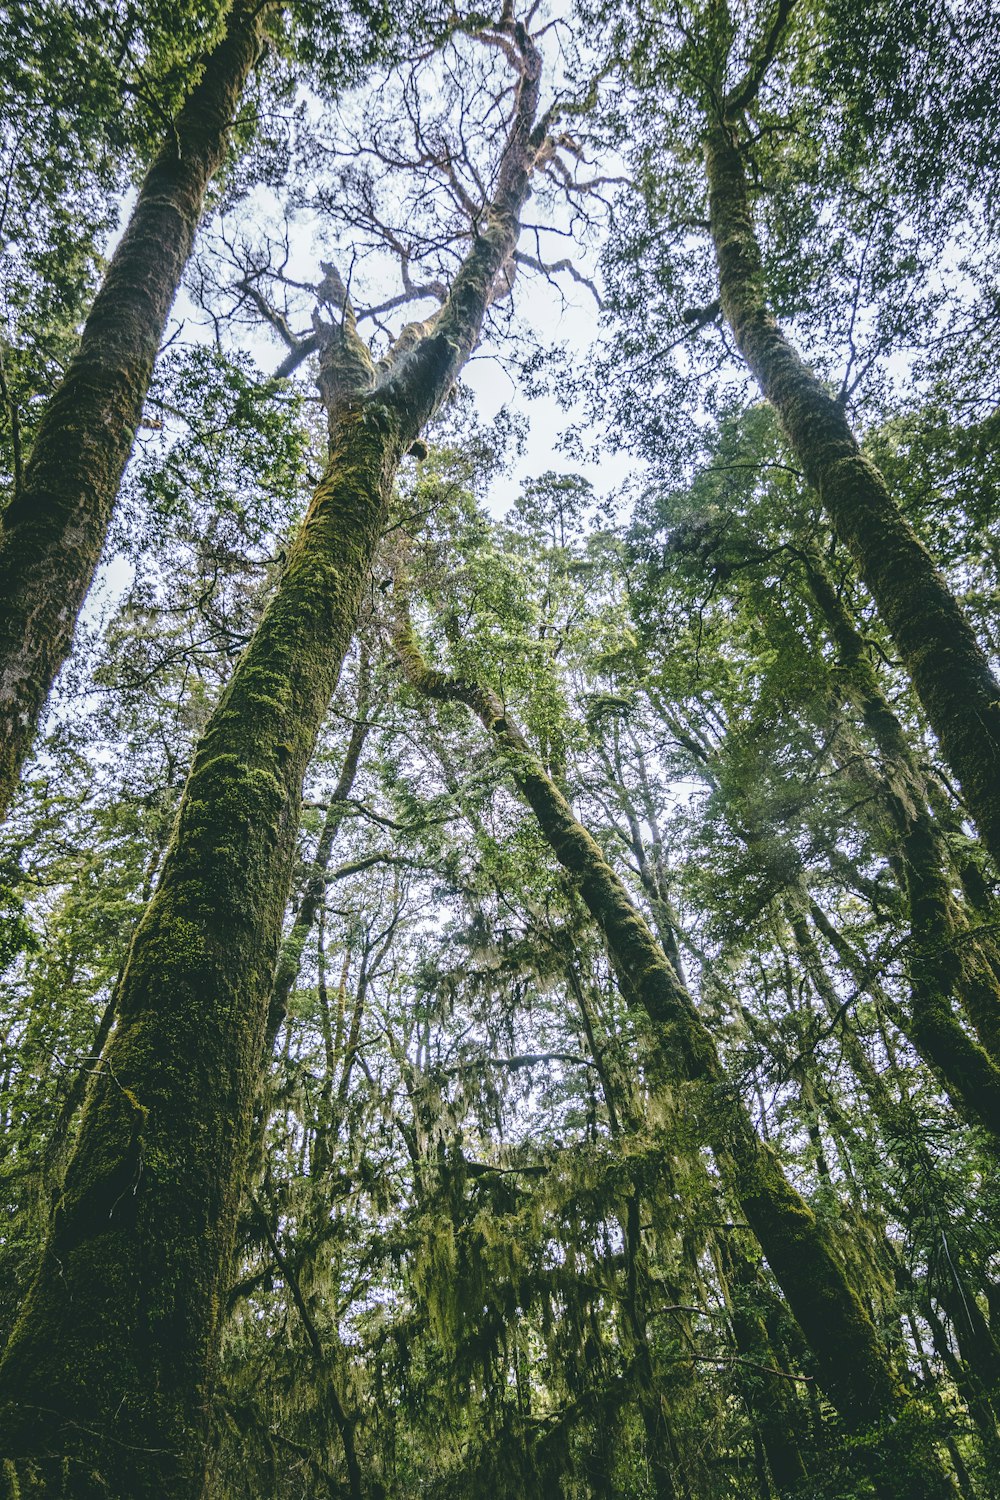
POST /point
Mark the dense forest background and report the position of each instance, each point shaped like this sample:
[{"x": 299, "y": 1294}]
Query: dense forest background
[{"x": 499, "y": 582}]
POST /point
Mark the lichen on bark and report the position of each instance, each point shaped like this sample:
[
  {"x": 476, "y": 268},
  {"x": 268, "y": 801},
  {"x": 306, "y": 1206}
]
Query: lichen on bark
[
  {"x": 109, "y": 1373},
  {"x": 118, "y": 1334}
]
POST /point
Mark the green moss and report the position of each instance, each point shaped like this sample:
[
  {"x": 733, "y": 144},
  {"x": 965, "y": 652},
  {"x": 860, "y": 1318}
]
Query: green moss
[
  {"x": 117, "y": 1338},
  {"x": 949, "y": 670},
  {"x": 147, "y": 1216},
  {"x": 53, "y": 531},
  {"x": 854, "y": 1367}
]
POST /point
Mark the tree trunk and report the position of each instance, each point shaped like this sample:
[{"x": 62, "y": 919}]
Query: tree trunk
[
  {"x": 959, "y": 963},
  {"x": 852, "y": 1364},
  {"x": 950, "y": 672},
  {"x": 108, "y": 1375},
  {"x": 54, "y": 527},
  {"x": 111, "y": 1362}
]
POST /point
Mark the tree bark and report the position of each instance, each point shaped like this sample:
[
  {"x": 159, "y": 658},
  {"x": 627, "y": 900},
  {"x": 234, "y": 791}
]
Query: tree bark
[
  {"x": 949, "y": 670},
  {"x": 852, "y": 1365},
  {"x": 947, "y": 958},
  {"x": 108, "y": 1376},
  {"x": 53, "y": 529},
  {"x": 117, "y": 1338}
]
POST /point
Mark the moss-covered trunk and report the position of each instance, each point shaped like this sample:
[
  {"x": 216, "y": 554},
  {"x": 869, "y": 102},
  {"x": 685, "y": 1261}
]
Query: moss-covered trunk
[
  {"x": 110, "y": 1365},
  {"x": 852, "y": 1363},
  {"x": 105, "y": 1384},
  {"x": 54, "y": 527},
  {"x": 949, "y": 670},
  {"x": 945, "y": 961}
]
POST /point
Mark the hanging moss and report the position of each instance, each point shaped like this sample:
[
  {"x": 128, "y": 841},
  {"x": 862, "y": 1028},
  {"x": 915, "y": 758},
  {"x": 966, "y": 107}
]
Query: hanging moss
[
  {"x": 853, "y": 1365},
  {"x": 111, "y": 1365},
  {"x": 133, "y": 1272}
]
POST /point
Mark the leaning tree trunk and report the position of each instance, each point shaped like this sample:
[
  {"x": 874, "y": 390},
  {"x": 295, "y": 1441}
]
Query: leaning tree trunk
[
  {"x": 852, "y": 1365},
  {"x": 105, "y": 1385},
  {"x": 53, "y": 529},
  {"x": 111, "y": 1362},
  {"x": 947, "y": 957},
  {"x": 949, "y": 670}
]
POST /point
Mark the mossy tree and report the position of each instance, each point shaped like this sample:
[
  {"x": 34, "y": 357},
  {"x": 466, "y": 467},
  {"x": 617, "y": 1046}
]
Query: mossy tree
[
  {"x": 348, "y": 1080},
  {"x": 145, "y": 1222},
  {"x": 856, "y": 1373},
  {"x": 56, "y": 518},
  {"x": 752, "y": 91}
]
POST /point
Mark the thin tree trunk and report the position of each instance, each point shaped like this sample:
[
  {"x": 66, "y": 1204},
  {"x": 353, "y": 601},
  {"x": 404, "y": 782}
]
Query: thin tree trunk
[
  {"x": 331, "y": 1394},
  {"x": 53, "y": 529},
  {"x": 853, "y": 1366},
  {"x": 108, "y": 1375},
  {"x": 949, "y": 670},
  {"x": 290, "y": 957},
  {"x": 945, "y": 958},
  {"x": 774, "y": 1410},
  {"x": 636, "y": 1313}
]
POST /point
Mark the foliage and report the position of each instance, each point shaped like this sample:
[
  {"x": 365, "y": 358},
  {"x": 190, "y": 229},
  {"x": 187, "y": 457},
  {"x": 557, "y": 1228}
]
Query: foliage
[{"x": 481, "y": 1247}]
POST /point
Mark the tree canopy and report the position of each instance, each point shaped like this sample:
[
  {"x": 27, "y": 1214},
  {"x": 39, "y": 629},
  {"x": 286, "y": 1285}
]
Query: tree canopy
[{"x": 499, "y": 750}]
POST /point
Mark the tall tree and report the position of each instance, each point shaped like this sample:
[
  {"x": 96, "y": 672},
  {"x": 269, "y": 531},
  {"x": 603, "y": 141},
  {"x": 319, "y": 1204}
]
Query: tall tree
[
  {"x": 55, "y": 522},
  {"x": 855, "y": 1371},
  {"x": 949, "y": 668},
  {"x": 116, "y": 1345},
  {"x": 733, "y": 80},
  {"x": 362, "y": 1135}
]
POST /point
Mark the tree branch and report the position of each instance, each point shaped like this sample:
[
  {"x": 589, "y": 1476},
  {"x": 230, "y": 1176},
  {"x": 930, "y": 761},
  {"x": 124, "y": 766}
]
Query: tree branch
[{"x": 761, "y": 57}]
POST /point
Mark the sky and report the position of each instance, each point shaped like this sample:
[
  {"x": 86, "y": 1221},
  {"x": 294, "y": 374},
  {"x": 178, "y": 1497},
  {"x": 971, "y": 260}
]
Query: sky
[{"x": 563, "y": 315}]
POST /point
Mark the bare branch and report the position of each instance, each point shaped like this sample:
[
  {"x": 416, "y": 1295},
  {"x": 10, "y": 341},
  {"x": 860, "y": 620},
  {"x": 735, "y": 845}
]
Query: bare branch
[
  {"x": 270, "y": 314},
  {"x": 294, "y": 358},
  {"x": 551, "y": 269}
]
